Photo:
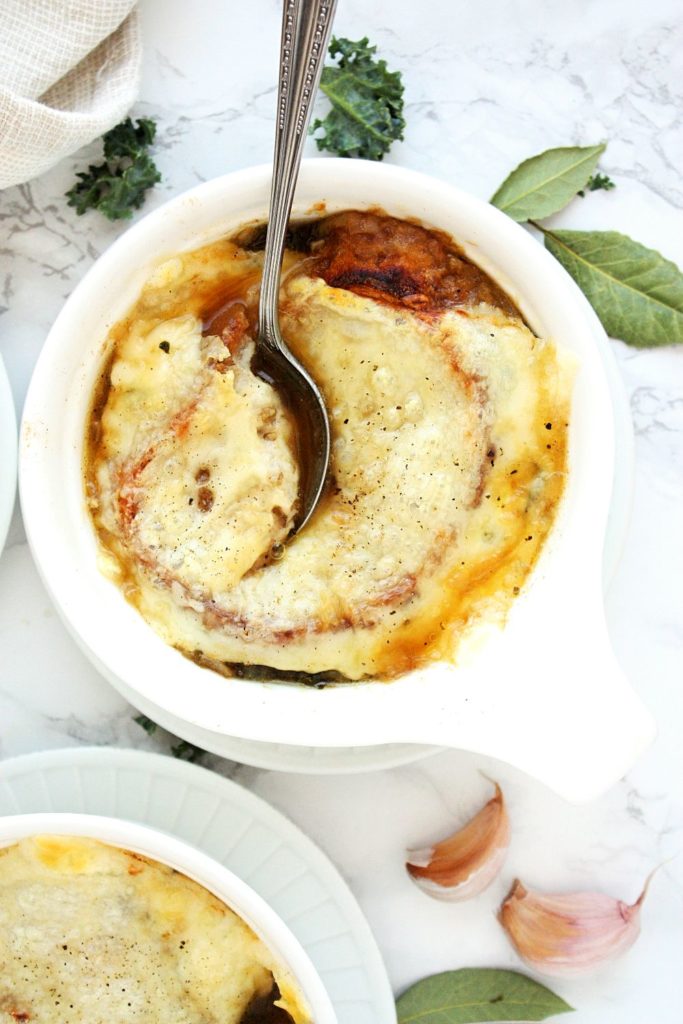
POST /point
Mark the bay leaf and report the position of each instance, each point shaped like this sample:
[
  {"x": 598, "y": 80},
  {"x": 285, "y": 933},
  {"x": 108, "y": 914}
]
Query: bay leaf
[
  {"x": 478, "y": 995},
  {"x": 545, "y": 183},
  {"x": 636, "y": 292}
]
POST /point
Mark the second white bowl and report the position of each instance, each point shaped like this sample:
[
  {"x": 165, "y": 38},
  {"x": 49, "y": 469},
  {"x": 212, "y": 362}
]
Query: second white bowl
[{"x": 202, "y": 869}]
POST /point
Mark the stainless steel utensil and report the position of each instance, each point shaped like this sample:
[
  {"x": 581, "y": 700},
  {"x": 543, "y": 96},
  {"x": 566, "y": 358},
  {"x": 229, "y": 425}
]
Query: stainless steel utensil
[{"x": 306, "y": 27}]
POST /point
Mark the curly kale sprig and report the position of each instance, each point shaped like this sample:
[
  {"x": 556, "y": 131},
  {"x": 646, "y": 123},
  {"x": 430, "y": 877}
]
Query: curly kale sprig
[
  {"x": 596, "y": 182},
  {"x": 367, "y": 102},
  {"x": 118, "y": 186}
]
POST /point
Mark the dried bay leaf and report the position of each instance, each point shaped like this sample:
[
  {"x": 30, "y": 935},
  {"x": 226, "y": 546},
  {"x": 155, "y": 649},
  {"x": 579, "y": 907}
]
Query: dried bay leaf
[
  {"x": 476, "y": 996},
  {"x": 636, "y": 292},
  {"x": 545, "y": 183}
]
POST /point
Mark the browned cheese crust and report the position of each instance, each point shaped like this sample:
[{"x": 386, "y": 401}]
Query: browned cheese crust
[{"x": 449, "y": 421}]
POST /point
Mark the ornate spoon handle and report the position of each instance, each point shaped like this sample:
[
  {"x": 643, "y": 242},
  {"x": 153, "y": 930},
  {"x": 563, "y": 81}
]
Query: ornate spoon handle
[{"x": 306, "y": 27}]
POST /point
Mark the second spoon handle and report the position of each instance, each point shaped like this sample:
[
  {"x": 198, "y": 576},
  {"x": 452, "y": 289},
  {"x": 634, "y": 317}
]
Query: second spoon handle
[{"x": 306, "y": 28}]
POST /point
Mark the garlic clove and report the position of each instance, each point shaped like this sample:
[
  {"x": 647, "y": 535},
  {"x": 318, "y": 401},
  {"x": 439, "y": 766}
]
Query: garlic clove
[
  {"x": 467, "y": 862},
  {"x": 571, "y": 934}
]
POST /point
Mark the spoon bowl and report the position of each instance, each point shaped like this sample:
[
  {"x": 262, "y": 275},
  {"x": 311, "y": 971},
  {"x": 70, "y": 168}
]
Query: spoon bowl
[{"x": 275, "y": 364}]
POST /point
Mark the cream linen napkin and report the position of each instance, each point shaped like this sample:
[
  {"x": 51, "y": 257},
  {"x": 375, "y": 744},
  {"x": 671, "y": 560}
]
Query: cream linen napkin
[{"x": 69, "y": 70}]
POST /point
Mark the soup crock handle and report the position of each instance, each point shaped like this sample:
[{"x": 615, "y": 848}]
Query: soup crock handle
[
  {"x": 551, "y": 699},
  {"x": 590, "y": 726}
]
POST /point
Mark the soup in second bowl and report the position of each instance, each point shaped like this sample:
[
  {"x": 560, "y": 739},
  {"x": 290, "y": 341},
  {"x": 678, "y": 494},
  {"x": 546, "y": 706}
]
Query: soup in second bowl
[{"x": 94, "y": 934}]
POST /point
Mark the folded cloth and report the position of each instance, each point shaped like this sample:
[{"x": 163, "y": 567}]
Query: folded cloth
[{"x": 69, "y": 71}]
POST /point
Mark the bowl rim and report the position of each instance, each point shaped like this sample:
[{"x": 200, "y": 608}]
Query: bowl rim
[
  {"x": 200, "y": 867},
  {"x": 8, "y": 454},
  {"x": 264, "y": 711}
]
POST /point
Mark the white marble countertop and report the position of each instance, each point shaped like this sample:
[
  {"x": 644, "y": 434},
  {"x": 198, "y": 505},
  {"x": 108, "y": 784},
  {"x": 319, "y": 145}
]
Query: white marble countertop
[{"x": 487, "y": 85}]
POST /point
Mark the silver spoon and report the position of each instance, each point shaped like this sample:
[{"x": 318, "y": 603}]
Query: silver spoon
[{"x": 306, "y": 27}]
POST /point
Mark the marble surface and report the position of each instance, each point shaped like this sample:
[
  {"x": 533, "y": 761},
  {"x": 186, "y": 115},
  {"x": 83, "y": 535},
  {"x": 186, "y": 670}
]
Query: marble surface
[{"x": 487, "y": 85}]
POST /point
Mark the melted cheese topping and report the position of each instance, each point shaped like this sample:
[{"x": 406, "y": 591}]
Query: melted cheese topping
[
  {"x": 90, "y": 934},
  {"x": 449, "y": 455}
]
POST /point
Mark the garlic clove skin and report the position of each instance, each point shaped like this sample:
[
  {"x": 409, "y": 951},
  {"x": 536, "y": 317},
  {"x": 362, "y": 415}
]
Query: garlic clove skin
[
  {"x": 572, "y": 934},
  {"x": 466, "y": 863}
]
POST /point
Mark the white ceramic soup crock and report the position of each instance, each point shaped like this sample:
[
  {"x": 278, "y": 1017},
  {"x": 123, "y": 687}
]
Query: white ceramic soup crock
[
  {"x": 545, "y": 694},
  {"x": 207, "y": 872}
]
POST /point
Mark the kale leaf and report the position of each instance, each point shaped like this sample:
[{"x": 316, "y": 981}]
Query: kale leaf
[
  {"x": 118, "y": 186},
  {"x": 183, "y": 750},
  {"x": 146, "y": 723},
  {"x": 367, "y": 102},
  {"x": 596, "y": 182},
  {"x": 126, "y": 138}
]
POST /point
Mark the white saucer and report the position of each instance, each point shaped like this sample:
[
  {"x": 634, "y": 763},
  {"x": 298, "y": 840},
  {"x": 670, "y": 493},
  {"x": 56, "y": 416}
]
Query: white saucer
[
  {"x": 351, "y": 760},
  {"x": 8, "y": 454},
  {"x": 236, "y": 828}
]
